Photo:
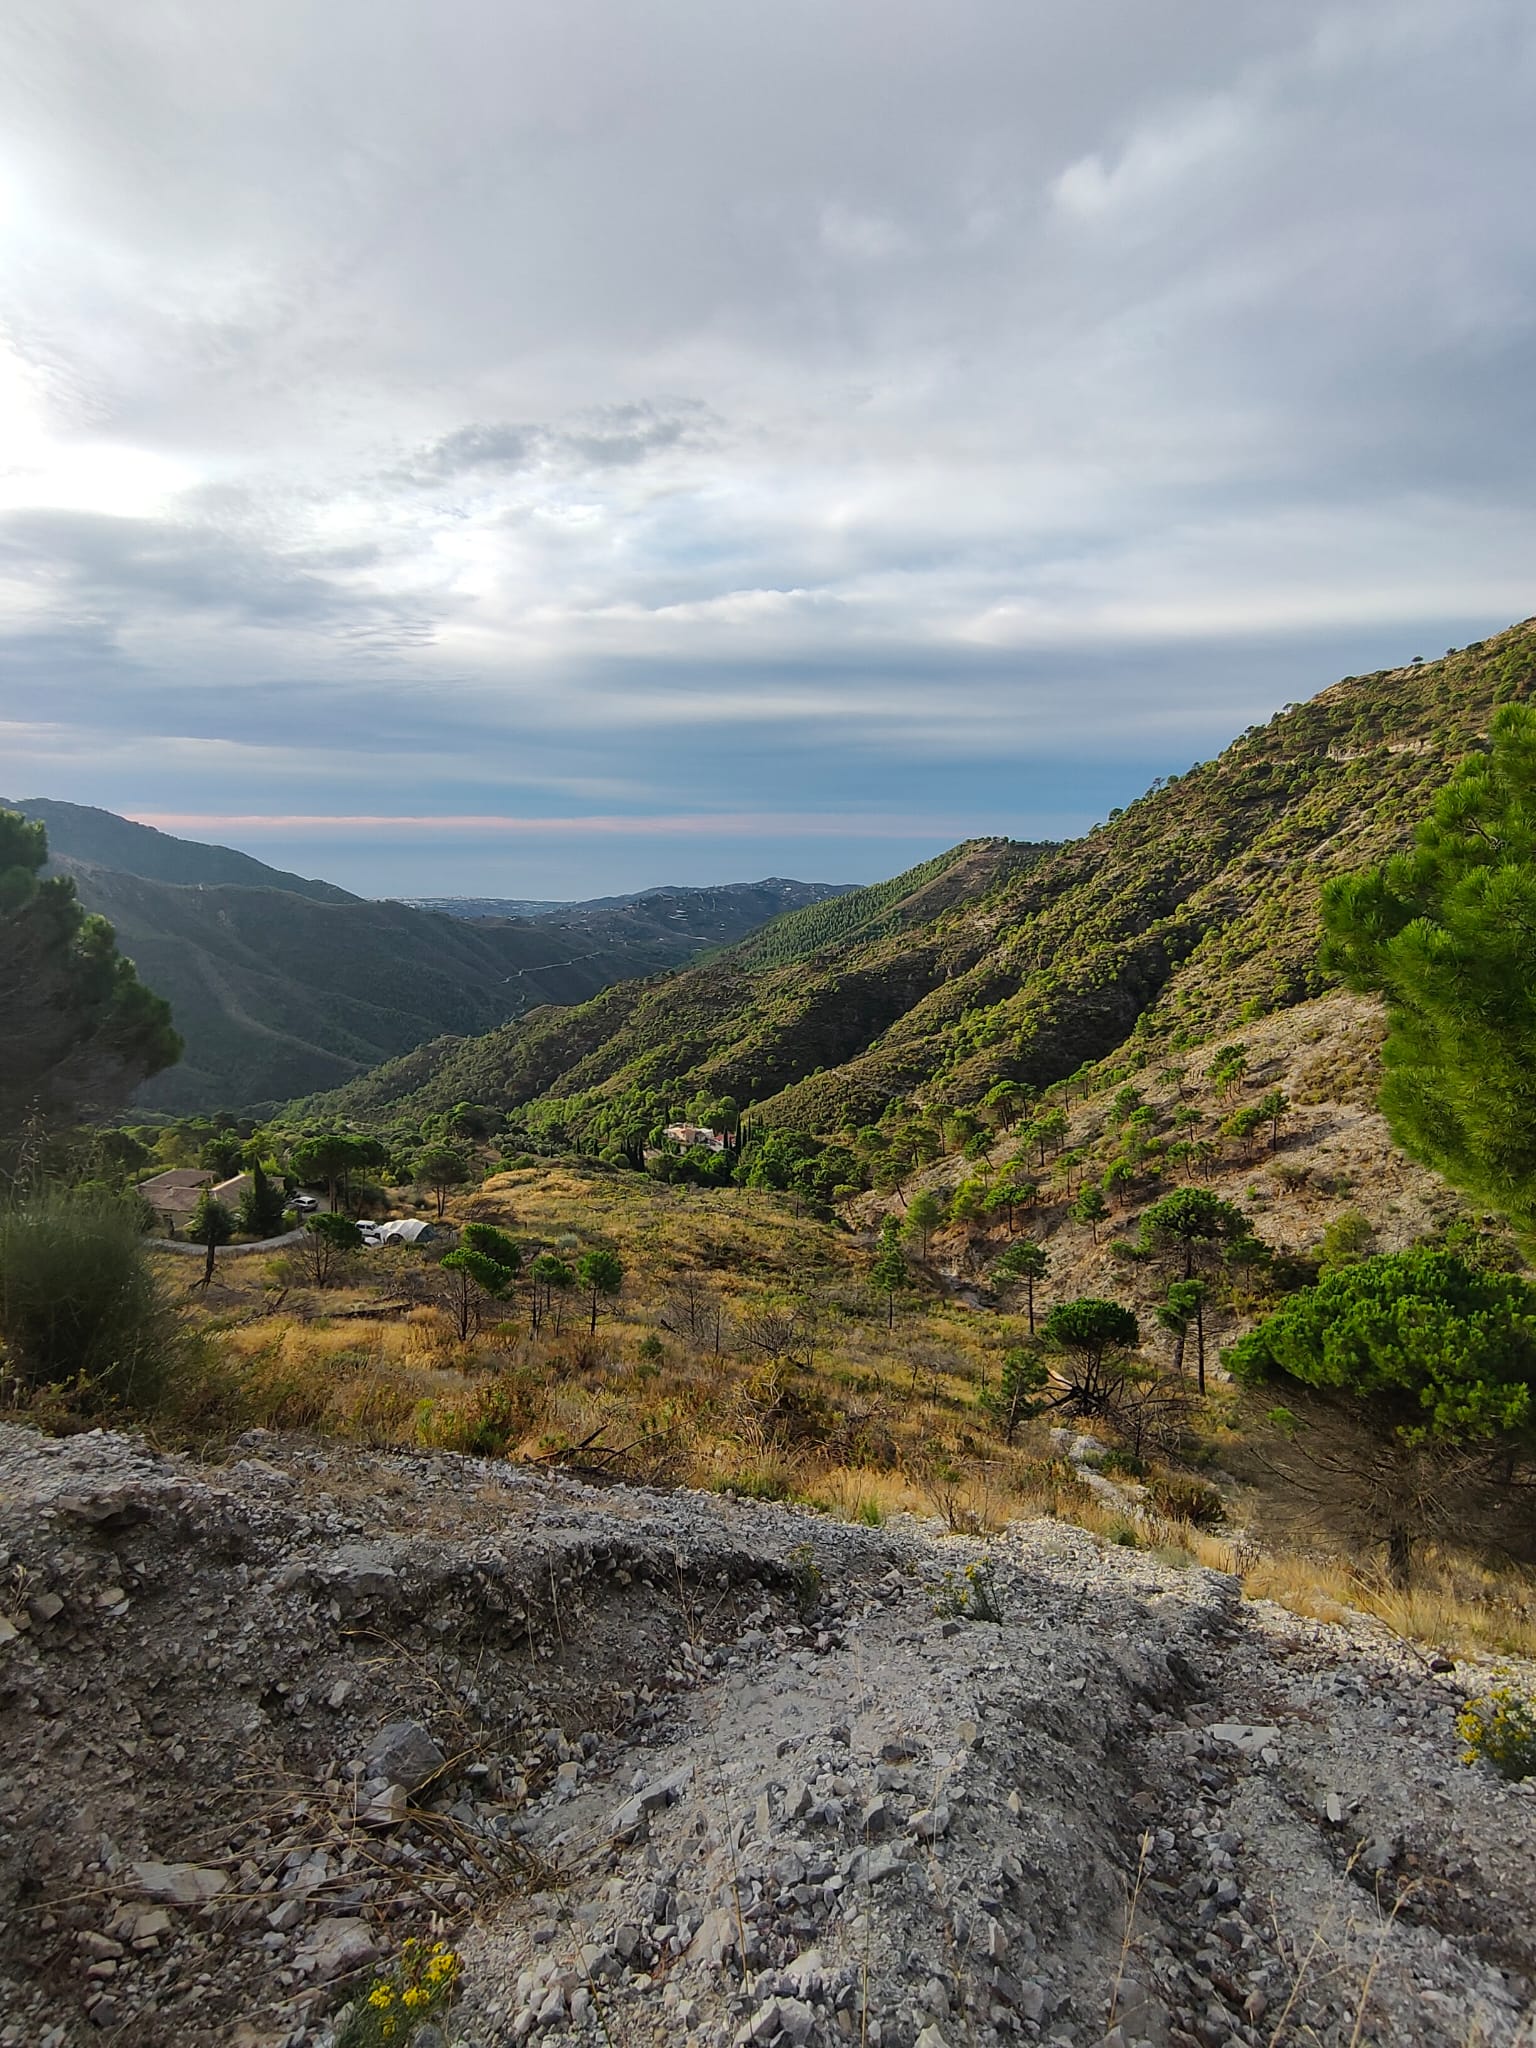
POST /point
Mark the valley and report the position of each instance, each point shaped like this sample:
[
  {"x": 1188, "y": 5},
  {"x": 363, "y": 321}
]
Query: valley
[{"x": 280, "y": 985}]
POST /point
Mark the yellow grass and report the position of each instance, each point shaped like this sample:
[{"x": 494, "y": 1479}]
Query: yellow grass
[{"x": 880, "y": 1423}]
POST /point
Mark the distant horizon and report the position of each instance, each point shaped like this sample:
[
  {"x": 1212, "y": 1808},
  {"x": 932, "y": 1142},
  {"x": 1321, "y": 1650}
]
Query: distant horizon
[{"x": 542, "y": 858}]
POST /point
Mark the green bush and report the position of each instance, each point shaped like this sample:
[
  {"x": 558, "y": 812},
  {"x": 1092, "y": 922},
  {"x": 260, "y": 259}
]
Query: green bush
[
  {"x": 1123, "y": 1465},
  {"x": 79, "y": 1305}
]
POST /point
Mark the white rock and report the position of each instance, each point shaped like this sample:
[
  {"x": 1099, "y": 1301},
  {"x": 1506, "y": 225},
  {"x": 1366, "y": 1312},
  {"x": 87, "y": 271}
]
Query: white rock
[
  {"x": 180, "y": 1884},
  {"x": 1239, "y": 1736},
  {"x": 333, "y": 1947}
]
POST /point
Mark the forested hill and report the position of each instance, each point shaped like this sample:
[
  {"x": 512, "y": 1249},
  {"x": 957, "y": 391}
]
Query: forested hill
[
  {"x": 279, "y": 985},
  {"x": 77, "y": 832},
  {"x": 1195, "y": 906}
]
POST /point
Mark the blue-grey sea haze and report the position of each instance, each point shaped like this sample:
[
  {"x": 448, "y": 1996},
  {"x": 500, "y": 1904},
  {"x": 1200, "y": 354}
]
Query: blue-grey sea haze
[{"x": 543, "y": 447}]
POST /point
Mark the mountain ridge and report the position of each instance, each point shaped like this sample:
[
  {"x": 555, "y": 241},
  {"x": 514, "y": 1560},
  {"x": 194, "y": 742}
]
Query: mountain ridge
[
  {"x": 779, "y": 891},
  {"x": 1198, "y": 901},
  {"x": 98, "y": 838}
]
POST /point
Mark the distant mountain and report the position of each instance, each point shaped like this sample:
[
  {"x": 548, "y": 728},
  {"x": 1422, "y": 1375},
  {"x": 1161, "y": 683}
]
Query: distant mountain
[
  {"x": 712, "y": 917},
  {"x": 1193, "y": 910},
  {"x": 77, "y": 832},
  {"x": 281, "y": 986}
]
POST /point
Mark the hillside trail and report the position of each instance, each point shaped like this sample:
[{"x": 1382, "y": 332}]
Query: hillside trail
[{"x": 672, "y": 1768}]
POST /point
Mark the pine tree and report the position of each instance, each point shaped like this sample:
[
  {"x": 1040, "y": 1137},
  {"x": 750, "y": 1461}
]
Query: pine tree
[{"x": 1447, "y": 933}]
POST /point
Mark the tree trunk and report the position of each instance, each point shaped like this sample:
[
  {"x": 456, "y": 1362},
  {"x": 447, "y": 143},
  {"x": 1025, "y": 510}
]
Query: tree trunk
[
  {"x": 1200, "y": 1344},
  {"x": 1400, "y": 1554},
  {"x": 592, "y": 1326},
  {"x": 208, "y": 1262}
]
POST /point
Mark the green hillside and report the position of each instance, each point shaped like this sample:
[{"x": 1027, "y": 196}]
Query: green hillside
[
  {"x": 861, "y": 914},
  {"x": 729, "y": 1026},
  {"x": 1195, "y": 906},
  {"x": 280, "y": 985}
]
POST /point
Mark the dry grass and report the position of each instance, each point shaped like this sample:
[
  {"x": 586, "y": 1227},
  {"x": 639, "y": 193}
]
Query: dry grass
[{"x": 862, "y": 1422}]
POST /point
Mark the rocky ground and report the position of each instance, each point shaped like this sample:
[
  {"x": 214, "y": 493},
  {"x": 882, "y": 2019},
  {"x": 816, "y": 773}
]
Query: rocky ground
[{"x": 674, "y": 1769}]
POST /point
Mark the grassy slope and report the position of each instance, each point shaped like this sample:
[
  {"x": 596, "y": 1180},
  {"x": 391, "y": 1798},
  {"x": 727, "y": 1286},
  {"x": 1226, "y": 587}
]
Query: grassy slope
[
  {"x": 875, "y": 1421},
  {"x": 1199, "y": 900}
]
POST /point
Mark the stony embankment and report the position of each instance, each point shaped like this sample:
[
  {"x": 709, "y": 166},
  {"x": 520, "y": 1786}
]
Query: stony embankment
[{"x": 671, "y": 1769}]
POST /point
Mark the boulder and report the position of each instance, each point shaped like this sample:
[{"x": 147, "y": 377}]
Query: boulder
[
  {"x": 333, "y": 1947},
  {"x": 403, "y": 1753}
]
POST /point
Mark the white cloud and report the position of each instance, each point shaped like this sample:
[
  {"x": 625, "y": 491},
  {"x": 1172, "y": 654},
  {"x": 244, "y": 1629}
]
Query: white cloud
[{"x": 1160, "y": 160}]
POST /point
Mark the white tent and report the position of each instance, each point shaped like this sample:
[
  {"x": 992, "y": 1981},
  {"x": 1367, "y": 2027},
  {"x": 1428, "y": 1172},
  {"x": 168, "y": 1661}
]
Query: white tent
[{"x": 409, "y": 1230}]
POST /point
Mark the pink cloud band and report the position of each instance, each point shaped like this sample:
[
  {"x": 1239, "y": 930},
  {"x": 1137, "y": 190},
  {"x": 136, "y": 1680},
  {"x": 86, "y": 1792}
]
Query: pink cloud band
[{"x": 734, "y": 825}]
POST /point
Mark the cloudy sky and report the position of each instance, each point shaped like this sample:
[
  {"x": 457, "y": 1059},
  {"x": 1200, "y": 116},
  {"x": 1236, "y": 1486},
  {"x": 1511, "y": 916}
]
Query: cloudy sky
[{"x": 550, "y": 446}]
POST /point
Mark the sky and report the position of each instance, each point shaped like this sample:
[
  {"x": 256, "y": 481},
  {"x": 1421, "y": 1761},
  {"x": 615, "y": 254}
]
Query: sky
[{"x": 549, "y": 447}]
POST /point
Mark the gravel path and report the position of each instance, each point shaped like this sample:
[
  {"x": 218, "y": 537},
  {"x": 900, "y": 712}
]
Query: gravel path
[{"x": 673, "y": 1769}]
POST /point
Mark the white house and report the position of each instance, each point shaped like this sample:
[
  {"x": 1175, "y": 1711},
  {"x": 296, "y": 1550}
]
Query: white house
[{"x": 687, "y": 1135}]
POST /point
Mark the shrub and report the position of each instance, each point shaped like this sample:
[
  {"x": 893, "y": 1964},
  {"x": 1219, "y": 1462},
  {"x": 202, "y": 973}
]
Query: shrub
[
  {"x": 806, "y": 1578},
  {"x": 79, "y": 1304},
  {"x": 1123, "y": 1465},
  {"x": 970, "y": 1595},
  {"x": 1188, "y": 1500},
  {"x": 485, "y": 1428},
  {"x": 403, "y": 1998},
  {"x": 1499, "y": 1728},
  {"x": 1345, "y": 1242}
]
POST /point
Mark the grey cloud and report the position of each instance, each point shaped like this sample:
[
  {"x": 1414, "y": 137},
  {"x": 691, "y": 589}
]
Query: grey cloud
[
  {"x": 606, "y": 437},
  {"x": 147, "y": 561}
]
